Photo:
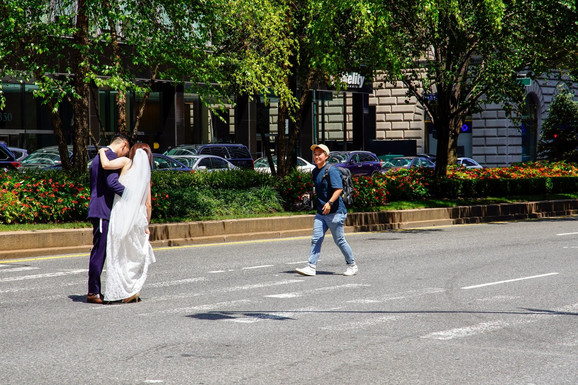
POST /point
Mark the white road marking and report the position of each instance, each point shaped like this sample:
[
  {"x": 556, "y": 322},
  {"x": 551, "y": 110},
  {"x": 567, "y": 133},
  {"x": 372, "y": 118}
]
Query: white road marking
[
  {"x": 507, "y": 281},
  {"x": 198, "y": 308},
  {"x": 484, "y": 327},
  {"x": 256, "y": 316},
  {"x": 297, "y": 263},
  {"x": 258, "y": 285},
  {"x": 498, "y": 298},
  {"x": 175, "y": 283},
  {"x": 174, "y": 297},
  {"x": 257, "y": 267},
  {"x": 27, "y": 268},
  {"x": 563, "y": 234},
  {"x": 360, "y": 324},
  {"x": 402, "y": 295},
  {"x": 19, "y": 289},
  {"x": 47, "y": 275},
  {"x": 467, "y": 331},
  {"x": 321, "y": 289},
  {"x": 223, "y": 290}
]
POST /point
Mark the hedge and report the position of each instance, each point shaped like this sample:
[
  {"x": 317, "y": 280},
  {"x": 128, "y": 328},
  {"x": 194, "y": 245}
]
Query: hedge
[{"x": 55, "y": 196}]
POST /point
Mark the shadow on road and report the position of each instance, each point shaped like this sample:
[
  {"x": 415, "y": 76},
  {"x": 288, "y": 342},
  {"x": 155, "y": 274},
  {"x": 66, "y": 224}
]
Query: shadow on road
[
  {"x": 280, "y": 315},
  {"x": 233, "y": 315}
]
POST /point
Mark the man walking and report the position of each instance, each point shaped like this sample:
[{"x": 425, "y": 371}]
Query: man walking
[
  {"x": 331, "y": 212},
  {"x": 104, "y": 185}
]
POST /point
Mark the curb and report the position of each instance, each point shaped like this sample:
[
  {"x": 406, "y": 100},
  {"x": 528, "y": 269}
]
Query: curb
[{"x": 23, "y": 244}]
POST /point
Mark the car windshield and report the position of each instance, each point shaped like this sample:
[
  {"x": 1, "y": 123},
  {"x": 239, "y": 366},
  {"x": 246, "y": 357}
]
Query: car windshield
[
  {"x": 42, "y": 158},
  {"x": 263, "y": 162},
  {"x": 181, "y": 151},
  {"x": 239, "y": 152},
  {"x": 189, "y": 160},
  {"x": 400, "y": 162},
  {"x": 336, "y": 158}
]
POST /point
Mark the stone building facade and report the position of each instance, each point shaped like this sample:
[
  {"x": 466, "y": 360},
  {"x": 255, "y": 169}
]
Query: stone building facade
[{"x": 490, "y": 136}]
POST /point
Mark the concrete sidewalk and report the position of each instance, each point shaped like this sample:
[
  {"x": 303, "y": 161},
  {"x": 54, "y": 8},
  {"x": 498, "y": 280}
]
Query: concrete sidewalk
[{"x": 22, "y": 244}]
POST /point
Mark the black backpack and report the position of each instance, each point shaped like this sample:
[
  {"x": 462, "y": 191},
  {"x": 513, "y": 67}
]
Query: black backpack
[{"x": 347, "y": 181}]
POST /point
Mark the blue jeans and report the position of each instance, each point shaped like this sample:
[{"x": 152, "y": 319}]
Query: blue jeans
[{"x": 336, "y": 223}]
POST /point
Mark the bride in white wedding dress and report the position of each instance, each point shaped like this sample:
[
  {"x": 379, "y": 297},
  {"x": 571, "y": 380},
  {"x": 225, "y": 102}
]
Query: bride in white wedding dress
[{"x": 128, "y": 251}]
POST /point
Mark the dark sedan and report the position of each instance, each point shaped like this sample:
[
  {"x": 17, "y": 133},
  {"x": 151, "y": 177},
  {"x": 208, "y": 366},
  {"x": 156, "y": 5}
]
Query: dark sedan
[{"x": 358, "y": 162}]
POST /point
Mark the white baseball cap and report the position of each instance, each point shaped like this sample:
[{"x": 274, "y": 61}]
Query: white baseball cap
[{"x": 321, "y": 146}]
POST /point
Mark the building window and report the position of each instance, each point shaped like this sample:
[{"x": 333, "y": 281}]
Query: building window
[{"x": 464, "y": 139}]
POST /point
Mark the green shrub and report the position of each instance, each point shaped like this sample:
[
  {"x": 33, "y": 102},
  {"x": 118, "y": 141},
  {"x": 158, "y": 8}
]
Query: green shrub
[
  {"x": 369, "y": 192},
  {"x": 407, "y": 184},
  {"x": 41, "y": 197},
  {"x": 292, "y": 188},
  {"x": 54, "y": 196},
  {"x": 197, "y": 195}
]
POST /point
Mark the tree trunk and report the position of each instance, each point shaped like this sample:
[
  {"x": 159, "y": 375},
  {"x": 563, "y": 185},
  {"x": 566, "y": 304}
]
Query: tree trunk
[
  {"x": 448, "y": 123},
  {"x": 80, "y": 106},
  {"x": 60, "y": 140},
  {"x": 121, "y": 110},
  {"x": 282, "y": 141},
  {"x": 285, "y": 162},
  {"x": 261, "y": 122}
]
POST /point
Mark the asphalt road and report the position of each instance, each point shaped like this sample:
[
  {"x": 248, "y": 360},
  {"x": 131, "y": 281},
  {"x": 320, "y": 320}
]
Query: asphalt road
[{"x": 478, "y": 304}]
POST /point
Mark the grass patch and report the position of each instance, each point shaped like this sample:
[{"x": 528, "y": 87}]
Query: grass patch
[{"x": 45, "y": 226}]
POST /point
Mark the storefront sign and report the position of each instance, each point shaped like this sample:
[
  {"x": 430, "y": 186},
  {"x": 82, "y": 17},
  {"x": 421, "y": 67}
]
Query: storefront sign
[{"x": 354, "y": 81}]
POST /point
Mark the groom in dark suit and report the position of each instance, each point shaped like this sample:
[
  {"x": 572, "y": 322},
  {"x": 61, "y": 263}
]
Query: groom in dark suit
[{"x": 104, "y": 185}]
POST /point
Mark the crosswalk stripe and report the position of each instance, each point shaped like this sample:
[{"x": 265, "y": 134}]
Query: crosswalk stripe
[
  {"x": 47, "y": 275},
  {"x": 16, "y": 269},
  {"x": 317, "y": 290}
]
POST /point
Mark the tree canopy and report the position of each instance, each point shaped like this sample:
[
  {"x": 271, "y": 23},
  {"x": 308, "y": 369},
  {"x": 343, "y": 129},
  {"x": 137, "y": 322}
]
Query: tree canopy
[
  {"x": 452, "y": 55},
  {"x": 559, "y": 139},
  {"x": 68, "y": 48},
  {"x": 455, "y": 55}
]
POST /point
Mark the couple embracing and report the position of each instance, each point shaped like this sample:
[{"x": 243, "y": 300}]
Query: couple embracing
[{"x": 120, "y": 211}]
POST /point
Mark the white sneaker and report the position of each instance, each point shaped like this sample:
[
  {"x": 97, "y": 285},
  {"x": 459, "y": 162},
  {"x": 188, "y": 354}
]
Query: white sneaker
[
  {"x": 307, "y": 270},
  {"x": 351, "y": 270}
]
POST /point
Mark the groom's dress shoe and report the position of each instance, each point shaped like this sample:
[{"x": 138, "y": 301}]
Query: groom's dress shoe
[{"x": 93, "y": 298}]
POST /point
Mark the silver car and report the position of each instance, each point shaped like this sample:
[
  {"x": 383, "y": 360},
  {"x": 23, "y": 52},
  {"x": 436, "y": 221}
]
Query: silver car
[
  {"x": 262, "y": 165},
  {"x": 205, "y": 162},
  {"x": 468, "y": 163}
]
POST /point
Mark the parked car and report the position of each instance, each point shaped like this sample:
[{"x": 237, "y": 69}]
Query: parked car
[
  {"x": 165, "y": 163},
  {"x": 205, "y": 162},
  {"x": 45, "y": 157},
  {"x": 7, "y": 159},
  {"x": 431, "y": 157},
  {"x": 407, "y": 162},
  {"x": 358, "y": 162},
  {"x": 49, "y": 158},
  {"x": 237, "y": 154},
  {"x": 468, "y": 163},
  {"x": 19, "y": 153},
  {"x": 262, "y": 164},
  {"x": 183, "y": 149}
]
